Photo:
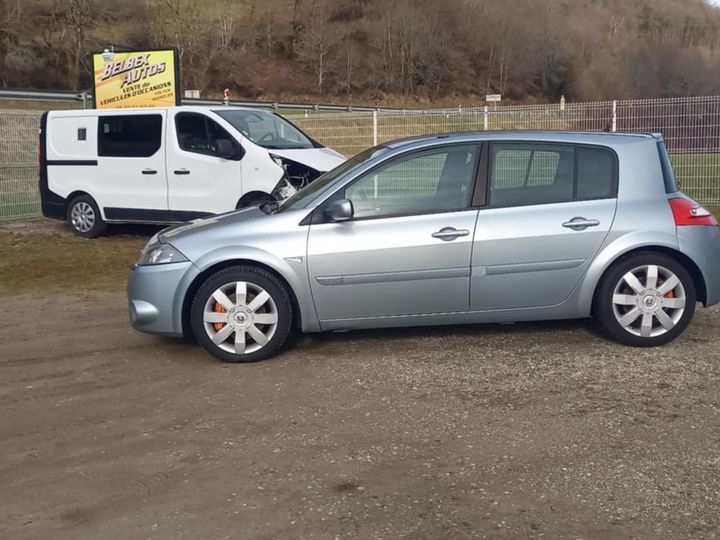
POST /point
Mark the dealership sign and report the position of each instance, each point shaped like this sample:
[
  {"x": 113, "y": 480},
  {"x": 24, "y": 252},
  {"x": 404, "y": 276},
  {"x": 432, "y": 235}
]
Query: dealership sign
[{"x": 136, "y": 79}]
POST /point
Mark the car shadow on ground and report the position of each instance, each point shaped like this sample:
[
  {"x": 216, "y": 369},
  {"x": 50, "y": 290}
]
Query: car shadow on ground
[
  {"x": 583, "y": 328},
  {"x": 580, "y": 331}
]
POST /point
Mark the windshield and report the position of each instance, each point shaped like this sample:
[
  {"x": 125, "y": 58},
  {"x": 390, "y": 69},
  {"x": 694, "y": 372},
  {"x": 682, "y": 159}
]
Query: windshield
[
  {"x": 266, "y": 129},
  {"x": 307, "y": 194}
]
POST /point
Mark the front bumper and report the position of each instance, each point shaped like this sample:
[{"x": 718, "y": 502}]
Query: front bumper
[
  {"x": 702, "y": 245},
  {"x": 155, "y": 296}
]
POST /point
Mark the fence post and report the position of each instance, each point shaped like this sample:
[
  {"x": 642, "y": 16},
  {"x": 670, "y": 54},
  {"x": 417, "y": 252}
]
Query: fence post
[
  {"x": 85, "y": 100},
  {"x": 614, "y": 116},
  {"x": 375, "y": 128},
  {"x": 485, "y": 118}
]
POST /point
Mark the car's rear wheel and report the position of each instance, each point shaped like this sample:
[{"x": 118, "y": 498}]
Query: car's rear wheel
[
  {"x": 241, "y": 314},
  {"x": 646, "y": 300},
  {"x": 84, "y": 217}
]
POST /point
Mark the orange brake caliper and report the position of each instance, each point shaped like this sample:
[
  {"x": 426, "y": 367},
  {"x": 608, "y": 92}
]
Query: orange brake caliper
[
  {"x": 668, "y": 294},
  {"x": 218, "y": 325}
]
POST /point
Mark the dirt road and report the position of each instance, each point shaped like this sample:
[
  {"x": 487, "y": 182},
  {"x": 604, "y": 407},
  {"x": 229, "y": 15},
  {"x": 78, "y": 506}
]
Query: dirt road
[{"x": 524, "y": 431}]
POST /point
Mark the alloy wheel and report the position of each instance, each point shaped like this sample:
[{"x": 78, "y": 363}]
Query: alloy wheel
[
  {"x": 240, "y": 317},
  {"x": 649, "y": 301}
]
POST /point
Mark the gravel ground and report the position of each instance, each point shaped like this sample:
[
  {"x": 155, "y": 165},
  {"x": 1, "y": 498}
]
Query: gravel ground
[{"x": 520, "y": 431}]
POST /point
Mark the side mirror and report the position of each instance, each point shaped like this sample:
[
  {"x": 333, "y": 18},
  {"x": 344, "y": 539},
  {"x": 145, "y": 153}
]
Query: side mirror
[
  {"x": 225, "y": 149},
  {"x": 340, "y": 210}
]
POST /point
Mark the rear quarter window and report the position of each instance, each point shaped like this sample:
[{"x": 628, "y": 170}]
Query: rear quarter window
[{"x": 671, "y": 184}]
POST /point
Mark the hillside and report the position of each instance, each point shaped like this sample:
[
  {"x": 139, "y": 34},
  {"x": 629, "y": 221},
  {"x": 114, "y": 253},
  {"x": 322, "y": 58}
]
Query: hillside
[{"x": 380, "y": 51}]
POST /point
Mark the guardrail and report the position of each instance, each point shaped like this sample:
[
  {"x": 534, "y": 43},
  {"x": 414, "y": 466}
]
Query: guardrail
[{"x": 86, "y": 99}]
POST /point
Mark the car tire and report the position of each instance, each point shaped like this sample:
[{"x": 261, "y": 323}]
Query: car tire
[
  {"x": 83, "y": 216},
  {"x": 226, "y": 323},
  {"x": 645, "y": 300}
]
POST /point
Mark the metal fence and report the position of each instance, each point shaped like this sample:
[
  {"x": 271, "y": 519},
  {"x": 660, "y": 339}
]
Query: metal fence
[{"x": 691, "y": 127}]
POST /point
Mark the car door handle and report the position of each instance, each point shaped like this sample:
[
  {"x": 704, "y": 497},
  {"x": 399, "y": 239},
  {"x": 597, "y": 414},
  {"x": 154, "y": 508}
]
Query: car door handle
[
  {"x": 580, "y": 223},
  {"x": 149, "y": 171},
  {"x": 181, "y": 171},
  {"x": 450, "y": 233}
]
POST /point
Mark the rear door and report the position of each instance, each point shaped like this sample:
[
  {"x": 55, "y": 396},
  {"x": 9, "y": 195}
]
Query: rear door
[
  {"x": 200, "y": 181},
  {"x": 130, "y": 183},
  {"x": 549, "y": 209}
]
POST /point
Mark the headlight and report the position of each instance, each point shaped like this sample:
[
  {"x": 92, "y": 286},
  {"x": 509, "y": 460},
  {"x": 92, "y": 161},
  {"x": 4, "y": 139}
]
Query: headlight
[
  {"x": 160, "y": 254},
  {"x": 278, "y": 160}
]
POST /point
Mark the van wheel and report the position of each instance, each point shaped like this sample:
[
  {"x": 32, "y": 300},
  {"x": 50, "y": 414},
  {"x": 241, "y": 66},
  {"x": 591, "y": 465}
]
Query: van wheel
[
  {"x": 255, "y": 199},
  {"x": 646, "y": 300},
  {"x": 84, "y": 217},
  {"x": 241, "y": 314}
]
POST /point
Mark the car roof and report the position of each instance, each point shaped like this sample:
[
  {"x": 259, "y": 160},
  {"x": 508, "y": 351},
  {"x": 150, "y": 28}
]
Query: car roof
[{"x": 587, "y": 137}]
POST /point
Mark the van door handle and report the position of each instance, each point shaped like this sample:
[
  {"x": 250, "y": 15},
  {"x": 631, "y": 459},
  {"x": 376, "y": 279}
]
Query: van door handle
[
  {"x": 181, "y": 171},
  {"x": 149, "y": 171},
  {"x": 580, "y": 223},
  {"x": 450, "y": 233}
]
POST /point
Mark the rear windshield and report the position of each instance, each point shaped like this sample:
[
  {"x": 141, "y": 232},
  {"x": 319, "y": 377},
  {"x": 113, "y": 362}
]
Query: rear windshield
[{"x": 671, "y": 184}]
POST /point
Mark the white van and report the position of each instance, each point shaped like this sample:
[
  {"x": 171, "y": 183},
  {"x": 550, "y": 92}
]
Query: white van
[{"x": 168, "y": 165}]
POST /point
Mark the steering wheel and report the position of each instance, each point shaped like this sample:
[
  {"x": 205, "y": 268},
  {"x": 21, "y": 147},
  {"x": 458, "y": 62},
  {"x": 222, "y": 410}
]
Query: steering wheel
[{"x": 267, "y": 137}]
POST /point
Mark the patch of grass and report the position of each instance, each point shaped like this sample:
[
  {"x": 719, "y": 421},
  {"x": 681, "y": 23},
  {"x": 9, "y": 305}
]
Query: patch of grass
[{"x": 44, "y": 256}]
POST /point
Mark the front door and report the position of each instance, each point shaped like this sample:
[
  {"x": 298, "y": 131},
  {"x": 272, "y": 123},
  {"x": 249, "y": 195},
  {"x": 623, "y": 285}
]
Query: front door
[
  {"x": 407, "y": 249},
  {"x": 199, "y": 181},
  {"x": 549, "y": 210}
]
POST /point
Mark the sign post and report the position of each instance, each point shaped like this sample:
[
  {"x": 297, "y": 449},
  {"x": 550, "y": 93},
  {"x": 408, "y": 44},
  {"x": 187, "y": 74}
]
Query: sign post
[{"x": 136, "y": 79}]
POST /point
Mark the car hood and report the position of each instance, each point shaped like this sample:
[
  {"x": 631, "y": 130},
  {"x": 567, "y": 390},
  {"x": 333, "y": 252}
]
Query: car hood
[
  {"x": 178, "y": 232},
  {"x": 246, "y": 227},
  {"x": 321, "y": 159}
]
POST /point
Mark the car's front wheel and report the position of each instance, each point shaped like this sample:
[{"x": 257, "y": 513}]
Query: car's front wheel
[
  {"x": 241, "y": 314},
  {"x": 646, "y": 300}
]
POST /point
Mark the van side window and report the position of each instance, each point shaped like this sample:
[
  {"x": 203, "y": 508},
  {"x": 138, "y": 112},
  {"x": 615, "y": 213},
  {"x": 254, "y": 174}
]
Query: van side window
[
  {"x": 198, "y": 134},
  {"x": 137, "y": 135}
]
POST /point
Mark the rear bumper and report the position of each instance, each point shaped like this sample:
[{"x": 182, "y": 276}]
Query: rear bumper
[
  {"x": 702, "y": 245},
  {"x": 54, "y": 209}
]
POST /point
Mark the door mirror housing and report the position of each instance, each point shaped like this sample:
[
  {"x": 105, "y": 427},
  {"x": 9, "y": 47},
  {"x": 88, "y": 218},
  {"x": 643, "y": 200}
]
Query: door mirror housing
[
  {"x": 225, "y": 149},
  {"x": 340, "y": 210}
]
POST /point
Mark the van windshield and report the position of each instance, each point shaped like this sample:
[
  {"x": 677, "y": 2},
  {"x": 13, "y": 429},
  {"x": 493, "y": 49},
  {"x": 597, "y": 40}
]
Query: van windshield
[{"x": 266, "y": 129}]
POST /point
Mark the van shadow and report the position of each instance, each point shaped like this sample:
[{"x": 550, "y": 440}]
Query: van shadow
[{"x": 133, "y": 229}]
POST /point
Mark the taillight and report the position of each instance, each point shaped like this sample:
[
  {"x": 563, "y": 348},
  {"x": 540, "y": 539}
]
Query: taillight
[{"x": 688, "y": 212}]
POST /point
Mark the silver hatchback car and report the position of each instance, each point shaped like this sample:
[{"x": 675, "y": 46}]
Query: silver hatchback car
[{"x": 444, "y": 229}]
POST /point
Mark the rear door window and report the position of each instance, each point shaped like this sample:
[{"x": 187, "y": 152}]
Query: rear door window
[
  {"x": 524, "y": 174},
  {"x": 138, "y": 135},
  {"x": 530, "y": 174},
  {"x": 595, "y": 173}
]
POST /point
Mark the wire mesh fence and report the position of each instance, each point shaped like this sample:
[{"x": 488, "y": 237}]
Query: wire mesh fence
[{"x": 691, "y": 127}]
